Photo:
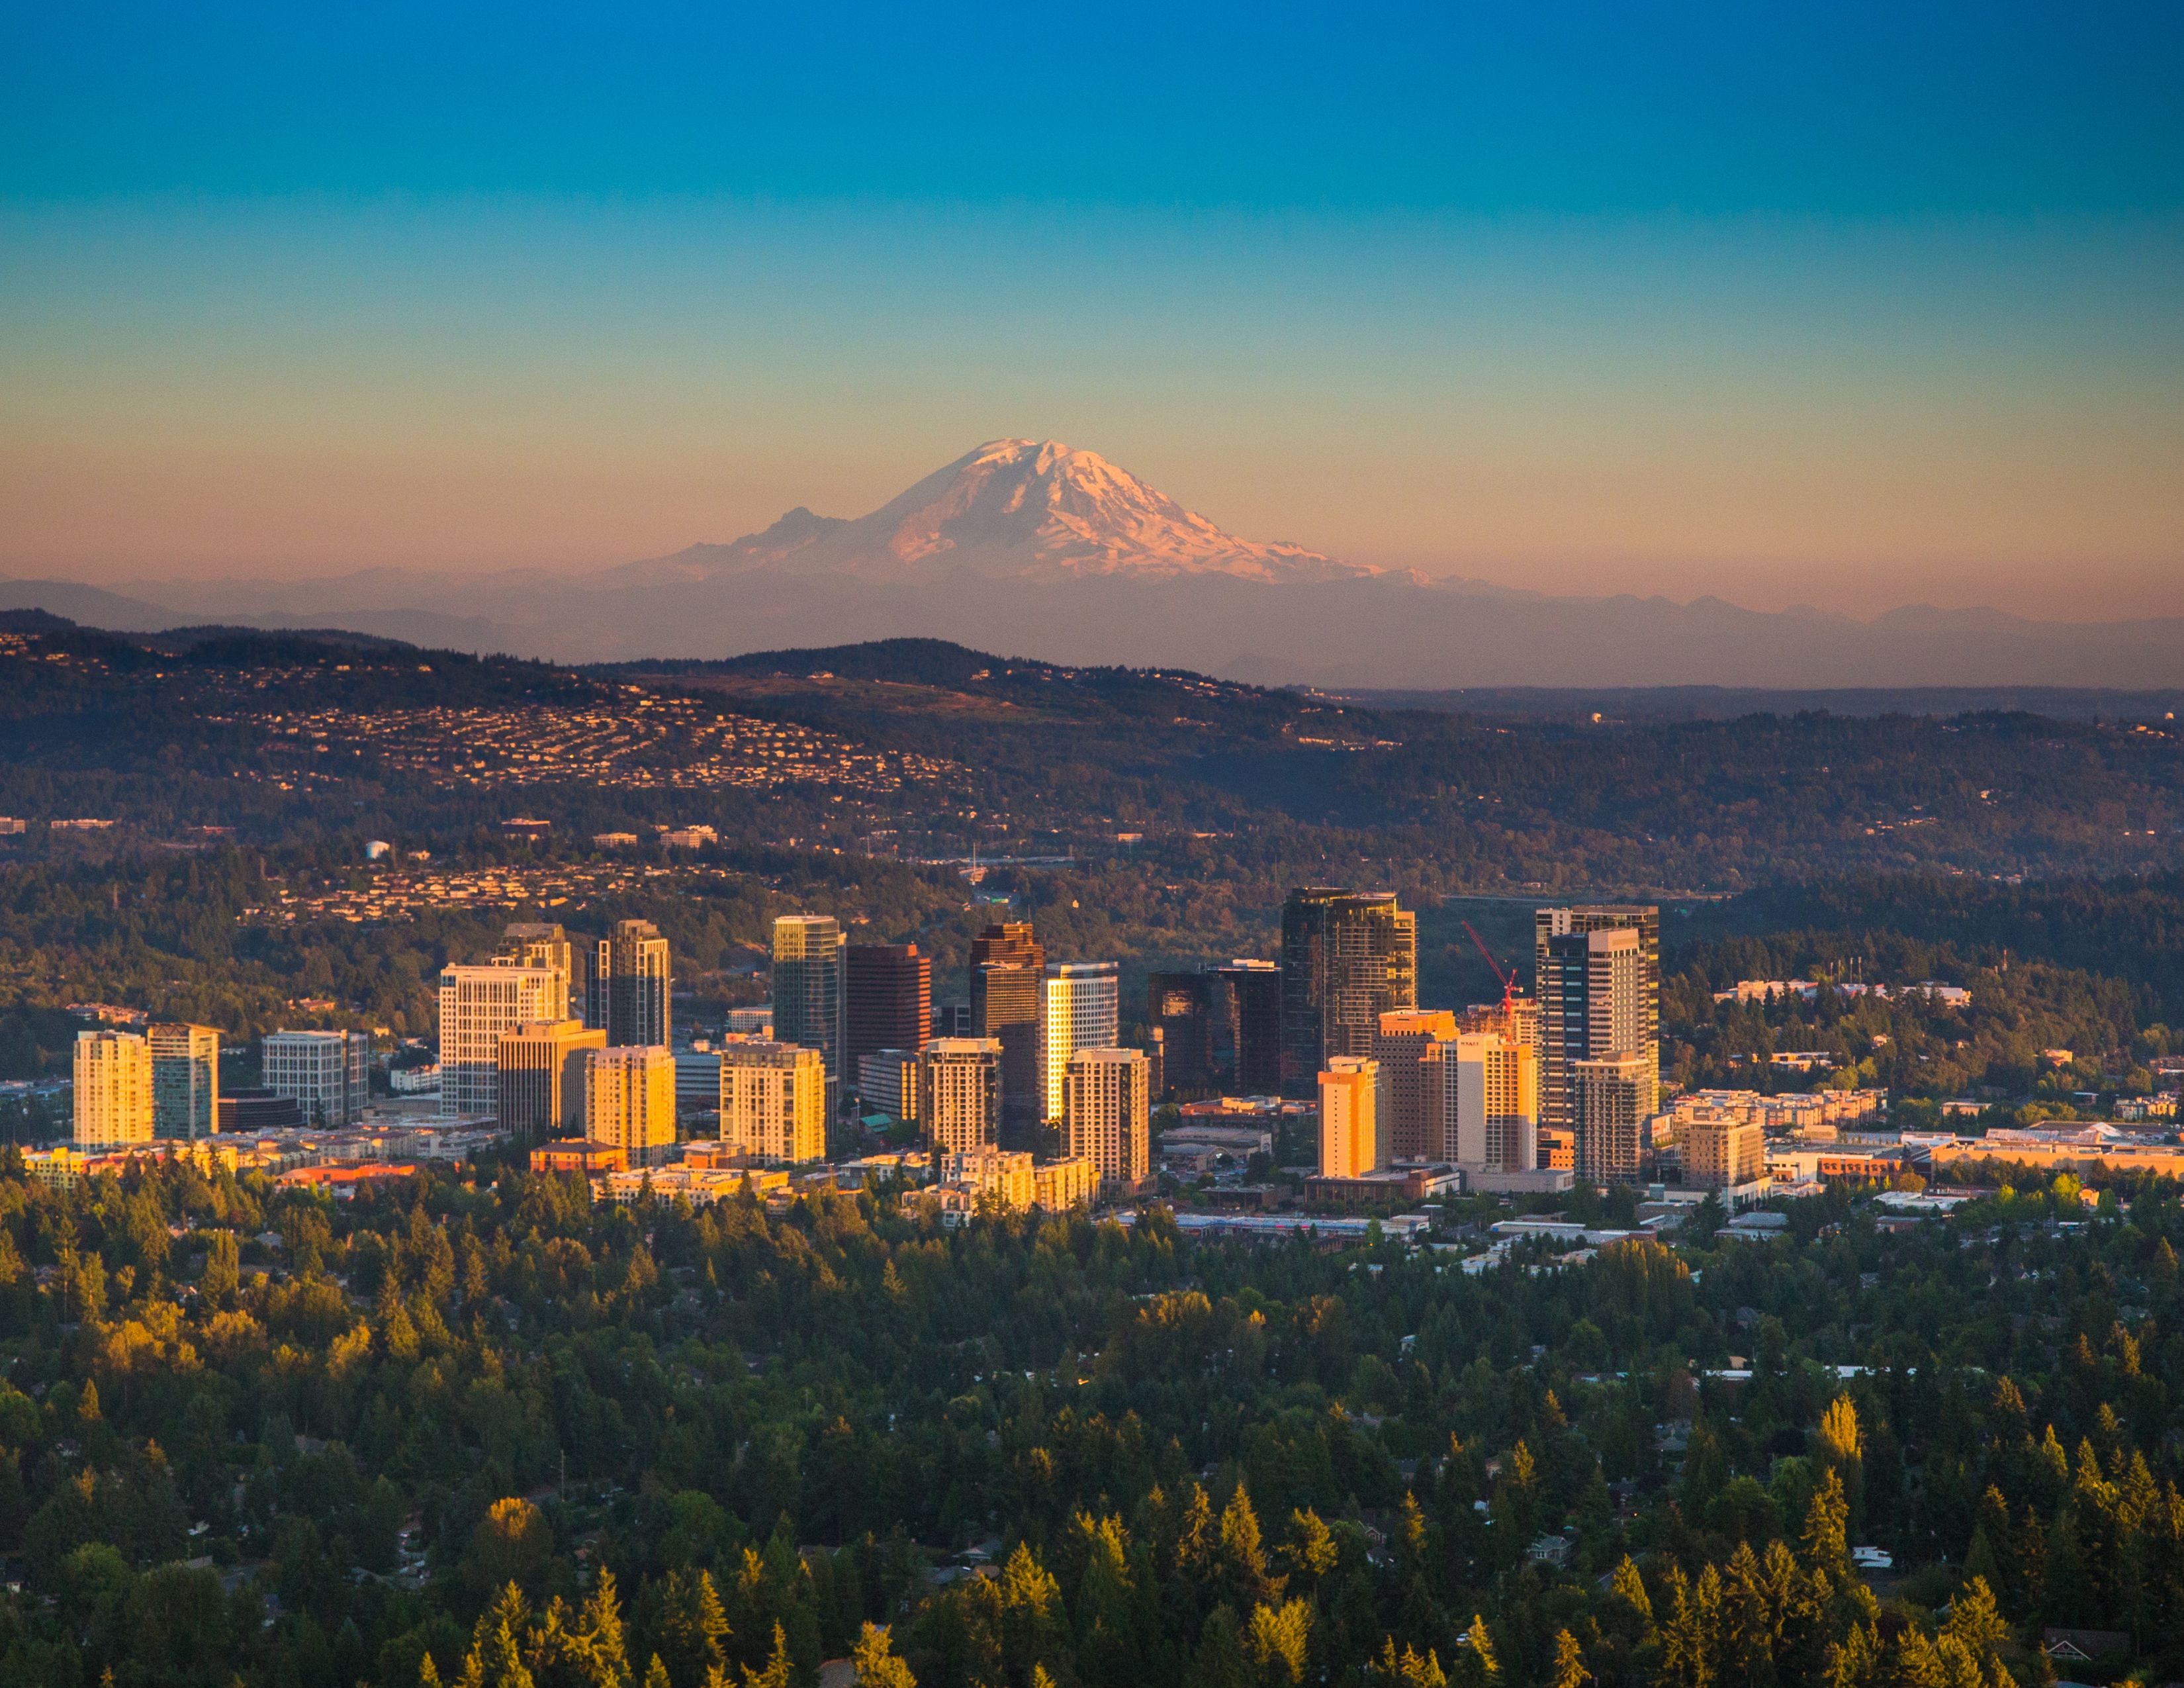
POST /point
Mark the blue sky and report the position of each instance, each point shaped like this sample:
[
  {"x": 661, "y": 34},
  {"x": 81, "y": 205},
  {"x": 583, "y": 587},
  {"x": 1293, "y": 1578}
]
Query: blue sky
[{"x": 1856, "y": 303}]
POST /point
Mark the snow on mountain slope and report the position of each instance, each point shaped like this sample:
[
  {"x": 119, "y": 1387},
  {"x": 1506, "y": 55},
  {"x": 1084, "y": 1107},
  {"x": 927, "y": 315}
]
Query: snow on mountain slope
[{"x": 1014, "y": 509}]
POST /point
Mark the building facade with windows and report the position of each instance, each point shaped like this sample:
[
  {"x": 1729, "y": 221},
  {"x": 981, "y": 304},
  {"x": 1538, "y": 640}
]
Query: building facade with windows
[
  {"x": 809, "y": 990},
  {"x": 541, "y": 1063},
  {"x": 477, "y": 1005},
  {"x": 773, "y": 1101},
  {"x": 1347, "y": 958},
  {"x": 628, "y": 986},
  {"x": 959, "y": 1094},
  {"x": 629, "y": 1101},
  {"x": 1349, "y": 1141},
  {"x": 112, "y": 1090},
  {"x": 325, "y": 1074},
  {"x": 1081, "y": 1008},
  {"x": 184, "y": 1081},
  {"x": 1106, "y": 1115}
]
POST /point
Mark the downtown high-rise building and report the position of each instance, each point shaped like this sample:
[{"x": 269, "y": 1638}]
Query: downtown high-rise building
[
  {"x": 1347, "y": 958},
  {"x": 543, "y": 943},
  {"x": 1494, "y": 1104},
  {"x": 1247, "y": 1027},
  {"x": 1413, "y": 1048},
  {"x": 325, "y": 1073},
  {"x": 112, "y": 1090},
  {"x": 477, "y": 1005},
  {"x": 628, "y": 986},
  {"x": 184, "y": 1081},
  {"x": 1008, "y": 968},
  {"x": 773, "y": 1102},
  {"x": 629, "y": 1101},
  {"x": 1080, "y": 1007},
  {"x": 809, "y": 1008},
  {"x": 887, "y": 1082},
  {"x": 888, "y": 996},
  {"x": 1597, "y": 983},
  {"x": 1221, "y": 1028},
  {"x": 1612, "y": 1096},
  {"x": 1351, "y": 1141},
  {"x": 959, "y": 1094},
  {"x": 1107, "y": 1114},
  {"x": 541, "y": 1077},
  {"x": 1179, "y": 1007}
]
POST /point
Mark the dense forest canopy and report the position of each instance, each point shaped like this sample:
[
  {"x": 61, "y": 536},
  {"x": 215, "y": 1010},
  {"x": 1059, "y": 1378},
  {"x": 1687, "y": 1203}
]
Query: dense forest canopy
[{"x": 484, "y": 1419}]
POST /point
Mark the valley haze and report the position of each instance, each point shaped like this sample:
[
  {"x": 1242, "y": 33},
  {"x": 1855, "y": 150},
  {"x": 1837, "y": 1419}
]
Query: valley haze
[{"x": 1053, "y": 553}]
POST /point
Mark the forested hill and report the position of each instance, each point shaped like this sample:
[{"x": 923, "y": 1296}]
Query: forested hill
[{"x": 917, "y": 747}]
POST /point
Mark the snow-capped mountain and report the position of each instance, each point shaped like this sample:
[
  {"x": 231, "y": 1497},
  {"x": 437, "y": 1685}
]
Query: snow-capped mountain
[{"x": 1013, "y": 509}]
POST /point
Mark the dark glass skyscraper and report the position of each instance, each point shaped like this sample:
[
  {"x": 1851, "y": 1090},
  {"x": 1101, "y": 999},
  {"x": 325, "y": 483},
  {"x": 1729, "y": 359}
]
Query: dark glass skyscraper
[
  {"x": 1598, "y": 982},
  {"x": 1247, "y": 1026},
  {"x": 1347, "y": 958},
  {"x": 889, "y": 989},
  {"x": 627, "y": 984},
  {"x": 1008, "y": 969},
  {"x": 1180, "y": 1006}
]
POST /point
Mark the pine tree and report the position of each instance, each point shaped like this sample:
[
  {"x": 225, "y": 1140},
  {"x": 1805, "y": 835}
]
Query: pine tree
[
  {"x": 778, "y": 1673},
  {"x": 1475, "y": 1660},
  {"x": 877, "y": 1666},
  {"x": 1243, "y": 1560},
  {"x": 1630, "y": 1588},
  {"x": 1826, "y": 1543},
  {"x": 1031, "y": 1611},
  {"x": 604, "y": 1662},
  {"x": 1277, "y": 1639},
  {"x": 1311, "y": 1551},
  {"x": 1975, "y": 1624},
  {"x": 1686, "y": 1647},
  {"x": 1569, "y": 1669},
  {"x": 1409, "y": 1670}
]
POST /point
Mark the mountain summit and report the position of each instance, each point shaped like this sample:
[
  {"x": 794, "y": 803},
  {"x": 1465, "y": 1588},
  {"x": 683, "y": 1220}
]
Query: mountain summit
[{"x": 1016, "y": 509}]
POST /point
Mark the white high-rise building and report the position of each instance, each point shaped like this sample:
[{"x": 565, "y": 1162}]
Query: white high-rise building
[
  {"x": 1495, "y": 1103},
  {"x": 1080, "y": 1007},
  {"x": 325, "y": 1073},
  {"x": 112, "y": 1090},
  {"x": 477, "y": 1004}
]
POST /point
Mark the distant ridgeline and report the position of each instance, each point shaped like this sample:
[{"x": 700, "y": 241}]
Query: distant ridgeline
[{"x": 919, "y": 747}]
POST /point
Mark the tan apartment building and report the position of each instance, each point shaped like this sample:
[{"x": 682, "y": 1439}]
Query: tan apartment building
[
  {"x": 629, "y": 1101},
  {"x": 1106, "y": 1115},
  {"x": 773, "y": 1101},
  {"x": 112, "y": 1090},
  {"x": 959, "y": 1094}
]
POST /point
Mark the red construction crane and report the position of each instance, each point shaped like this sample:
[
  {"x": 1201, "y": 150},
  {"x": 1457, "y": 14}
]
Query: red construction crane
[{"x": 1507, "y": 981}]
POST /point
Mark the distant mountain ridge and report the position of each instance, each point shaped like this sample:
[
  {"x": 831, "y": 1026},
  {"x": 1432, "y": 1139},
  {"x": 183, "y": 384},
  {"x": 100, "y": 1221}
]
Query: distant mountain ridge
[{"x": 1035, "y": 547}]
